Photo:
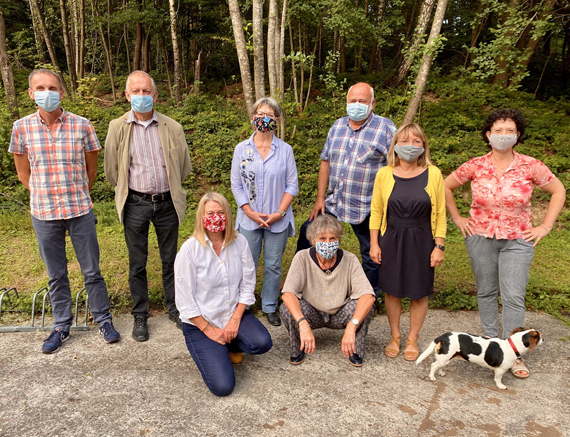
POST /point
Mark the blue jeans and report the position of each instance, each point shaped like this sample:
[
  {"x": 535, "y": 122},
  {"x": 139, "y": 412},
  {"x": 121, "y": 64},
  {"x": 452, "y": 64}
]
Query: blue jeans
[
  {"x": 51, "y": 242},
  {"x": 273, "y": 248},
  {"x": 213, "y": 359},
  {"x": 138, "y": 214},
  {"x": 362, "y": 232},
  {"x": 500, "y": 266}
]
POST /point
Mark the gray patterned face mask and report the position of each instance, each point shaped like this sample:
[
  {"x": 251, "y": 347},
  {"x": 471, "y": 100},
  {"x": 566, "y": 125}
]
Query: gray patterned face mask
[
  {"x": 408, "y": 153},
  {"x": 502, "y": 142},
  {"x": 326, "y": 250}
]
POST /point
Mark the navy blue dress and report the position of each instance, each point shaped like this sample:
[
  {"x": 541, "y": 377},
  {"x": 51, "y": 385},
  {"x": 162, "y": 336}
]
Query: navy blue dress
[{"x": 408, "y": 242}]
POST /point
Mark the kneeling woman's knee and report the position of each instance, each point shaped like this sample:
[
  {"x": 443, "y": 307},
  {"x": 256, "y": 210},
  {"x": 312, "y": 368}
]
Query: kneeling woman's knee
[{"x": 264, "y": 344}]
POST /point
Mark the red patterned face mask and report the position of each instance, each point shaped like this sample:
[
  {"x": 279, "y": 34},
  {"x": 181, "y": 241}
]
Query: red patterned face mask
[{"x": 214, "y": 223}]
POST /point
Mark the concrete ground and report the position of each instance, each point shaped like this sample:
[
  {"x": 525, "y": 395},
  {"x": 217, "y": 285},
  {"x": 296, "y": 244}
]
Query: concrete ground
[{"x": 90, "y": 388}]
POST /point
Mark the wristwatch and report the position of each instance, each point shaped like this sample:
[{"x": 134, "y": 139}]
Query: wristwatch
[
  {"x": 439, "y": 246},
  {"x": 283, "y": 213},
  {"x": 355, "y": 322}
]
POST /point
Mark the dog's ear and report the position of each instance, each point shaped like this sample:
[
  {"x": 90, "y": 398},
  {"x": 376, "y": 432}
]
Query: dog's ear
[
  {"x": 531, "y": 339},
  {"x": 516, "y": 330}
]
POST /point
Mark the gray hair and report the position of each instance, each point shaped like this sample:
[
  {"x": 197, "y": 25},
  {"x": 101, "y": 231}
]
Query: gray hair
[
  {"x": 324, "y": 223},
  {"x": 44, "y": 71},
  {"x": 269, "y": 101},
  {"x": 371, "y": 90},
  {"x": 144, "y": 73}
]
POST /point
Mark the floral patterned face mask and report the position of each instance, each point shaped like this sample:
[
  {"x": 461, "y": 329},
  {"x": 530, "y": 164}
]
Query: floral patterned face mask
[
  {"x": 265, "y": 124},
  {"x": 326, "y": 250},
  {"x": 214, "y": 223}
]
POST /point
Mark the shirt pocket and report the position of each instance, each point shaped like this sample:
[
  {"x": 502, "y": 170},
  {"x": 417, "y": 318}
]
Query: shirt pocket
[{"x": 367, "y": 153}]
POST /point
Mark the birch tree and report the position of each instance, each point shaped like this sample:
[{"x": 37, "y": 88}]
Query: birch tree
[
  {"x": 6, "y": 67},
  {"x": 258, "y": 58},
  {"x": 429, "y": 54},
  {"x": 67, "y": 44},
  {"x": 176, "y": 52}
]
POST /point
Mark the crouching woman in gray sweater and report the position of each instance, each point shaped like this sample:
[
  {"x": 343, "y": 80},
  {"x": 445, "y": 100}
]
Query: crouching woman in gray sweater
[{"x": 326, "y": 288}]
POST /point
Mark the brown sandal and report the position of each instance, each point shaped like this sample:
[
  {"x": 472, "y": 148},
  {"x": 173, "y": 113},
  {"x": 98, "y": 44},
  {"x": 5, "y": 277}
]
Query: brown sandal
[
  {"x": 393, "y": 351},
  {"x": 411, "y": 351}
]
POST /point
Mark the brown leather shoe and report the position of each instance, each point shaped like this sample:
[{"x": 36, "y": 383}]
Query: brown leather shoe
[{"x": 236, "y": 357}]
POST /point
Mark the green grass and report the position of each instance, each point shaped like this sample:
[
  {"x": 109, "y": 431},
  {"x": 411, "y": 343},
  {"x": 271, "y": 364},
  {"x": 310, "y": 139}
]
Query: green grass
[{"x": 22, "y": 267}]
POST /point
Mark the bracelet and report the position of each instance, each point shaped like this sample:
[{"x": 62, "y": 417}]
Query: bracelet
[
  {"x": 280, "y": 211},
  {"x": 301, "y": 319},
  {"x": 544, "y": 226},
  {"x": 205, "y": 326},
  {"x": 306, "y": 327}
]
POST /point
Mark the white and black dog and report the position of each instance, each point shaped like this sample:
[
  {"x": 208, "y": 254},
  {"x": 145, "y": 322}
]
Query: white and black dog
[{"x": 494, "y": 353}]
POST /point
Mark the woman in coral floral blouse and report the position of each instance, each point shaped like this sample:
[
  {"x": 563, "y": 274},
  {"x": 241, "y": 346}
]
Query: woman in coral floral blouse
[{"x": 499, "y": 235}]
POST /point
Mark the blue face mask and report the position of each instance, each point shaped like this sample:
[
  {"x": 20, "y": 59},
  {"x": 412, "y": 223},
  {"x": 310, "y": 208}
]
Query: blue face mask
[
  {"x": 142, "y": 104},
  {"x": 47, "y": 100},
  {"x": 326, "y": 250},
  {"x": 357, "y": 111}
]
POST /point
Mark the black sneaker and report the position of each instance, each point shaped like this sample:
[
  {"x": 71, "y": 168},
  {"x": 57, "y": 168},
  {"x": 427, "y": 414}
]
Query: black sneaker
[
  {"x": 109, "y": 333},
  {"x": 355, "y": 360},
  {"x": 174, "y": 316},
  {"x": 273, "y": 319},
  {"x": 54, "y": 341},
  {"x": 140, "y": 330},
  {"x": 298, "y": 359}
]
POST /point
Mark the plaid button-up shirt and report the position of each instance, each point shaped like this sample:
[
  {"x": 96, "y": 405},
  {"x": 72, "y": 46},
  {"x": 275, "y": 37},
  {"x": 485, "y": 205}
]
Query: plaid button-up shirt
[
  {"x": 355, "y": 156},
  {"x": 59, "y": 184}
]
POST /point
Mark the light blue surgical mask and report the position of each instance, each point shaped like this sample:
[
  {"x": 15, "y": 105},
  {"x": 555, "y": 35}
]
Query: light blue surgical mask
[
  {"x": 47, "y": 100},
  {"x": 358, "y": 111},
  {"x": 142, "y": 104},
  {"x": 326, "y": 250},
  {"x": 408, "y": 153}
]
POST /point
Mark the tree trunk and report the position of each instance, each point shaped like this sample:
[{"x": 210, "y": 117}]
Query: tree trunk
[
  {"x": 37, "y": 36},
  {"x": 502, "y": 77},
  {"x": 242, "y": 56},
  {"x": 281, "y": 55},
  {"x": 6, "y": 67},
  {"x": 165, "y": 56},
  {"x": 429, "y": 54},
  {"x": 272, "y": 46},
  {"x": 375, "y": 53},
  {"x": 49, "y": 44},
  {"x": 422, "y": 23},
  {"x": 176, "y": 52},
  {"x": 67, "y": 44},
  {"x": 138, "y": 42},
  {"x": 475, "y": 33},
  {"x": 293, "y": 71},
  {"x": 197, "y": 74},
  {"x": 107, "y": 52},
  {"x": 258, "y": 61},
  {"x": 81, "y": 62},
  {"x": 361, "y": 44}
]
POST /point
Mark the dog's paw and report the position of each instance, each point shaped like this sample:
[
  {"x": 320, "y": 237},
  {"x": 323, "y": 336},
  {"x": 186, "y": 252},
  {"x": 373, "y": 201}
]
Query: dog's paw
[
  {"x": 502, "y": 386},
  {"x": 431, "y": 378},
  {"x": 441, "y": 373}
]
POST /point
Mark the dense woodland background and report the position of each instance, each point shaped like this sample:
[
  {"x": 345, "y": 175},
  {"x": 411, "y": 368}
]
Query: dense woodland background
[{"x": 444, "y": 64}]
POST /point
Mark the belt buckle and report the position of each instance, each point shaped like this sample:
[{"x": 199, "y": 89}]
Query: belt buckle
[{"x": 156, "y": 197}]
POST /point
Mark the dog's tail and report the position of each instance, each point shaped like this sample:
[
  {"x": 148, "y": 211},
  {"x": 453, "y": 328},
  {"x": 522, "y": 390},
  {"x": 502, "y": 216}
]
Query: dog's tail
[{"x": 425, "y": 353}]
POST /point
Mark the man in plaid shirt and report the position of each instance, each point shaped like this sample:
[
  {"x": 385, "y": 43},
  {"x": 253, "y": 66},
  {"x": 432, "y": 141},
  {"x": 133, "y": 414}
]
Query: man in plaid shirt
[
  {"x": 55, "y": 153},
  {"x": 355, "y": 149}
]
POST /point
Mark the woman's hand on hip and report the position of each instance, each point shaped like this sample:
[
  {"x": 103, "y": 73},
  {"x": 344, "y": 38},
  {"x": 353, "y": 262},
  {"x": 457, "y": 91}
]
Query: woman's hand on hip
[
  {"x": 307, "y": 339},
  {"x": 537, "y": 233},
  {"x": 376, "y": 254},
  {"x": 463, "y": 224},
  {"x": 231, "y": 329},
  {"x": 349, "y": 341},
  {"x": 215, "y": 334},
  {"x": 436, "y": 258}
]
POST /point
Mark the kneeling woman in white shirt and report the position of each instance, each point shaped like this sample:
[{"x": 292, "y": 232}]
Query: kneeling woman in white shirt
[{"x": 215, "y": 282}]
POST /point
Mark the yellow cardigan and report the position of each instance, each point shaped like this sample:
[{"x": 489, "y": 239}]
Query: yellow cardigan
[{"x": 383, "y": 186}]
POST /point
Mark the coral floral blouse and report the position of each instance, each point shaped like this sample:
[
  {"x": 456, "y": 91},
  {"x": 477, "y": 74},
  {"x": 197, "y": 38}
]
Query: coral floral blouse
[{"x": 501, "y": 206}]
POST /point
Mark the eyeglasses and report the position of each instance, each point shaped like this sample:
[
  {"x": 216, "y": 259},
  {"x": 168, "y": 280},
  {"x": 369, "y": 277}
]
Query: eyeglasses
[
  {"x": 417, "y": 143},
  {"x": 264, "y": 114}
]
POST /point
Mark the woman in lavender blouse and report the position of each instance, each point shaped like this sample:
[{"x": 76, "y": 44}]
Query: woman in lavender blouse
[{"x": 264, "y": 183}]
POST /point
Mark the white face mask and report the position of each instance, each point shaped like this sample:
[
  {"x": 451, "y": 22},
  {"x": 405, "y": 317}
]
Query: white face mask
[{"x": 502, "y": 142}]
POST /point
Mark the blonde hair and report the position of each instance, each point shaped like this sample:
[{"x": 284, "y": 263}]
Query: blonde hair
[
  {"x": 324, "y": 223},
  {"x": 230, "y": 234},
  {"x": 424, "y": 160}
]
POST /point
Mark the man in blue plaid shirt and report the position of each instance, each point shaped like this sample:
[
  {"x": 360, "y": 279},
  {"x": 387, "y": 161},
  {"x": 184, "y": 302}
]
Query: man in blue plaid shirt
[{"x": 355, "y": 149}]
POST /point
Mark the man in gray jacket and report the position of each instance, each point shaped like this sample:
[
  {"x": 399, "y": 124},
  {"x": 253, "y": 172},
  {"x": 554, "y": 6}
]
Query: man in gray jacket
[{"x": 146, "y": 160}]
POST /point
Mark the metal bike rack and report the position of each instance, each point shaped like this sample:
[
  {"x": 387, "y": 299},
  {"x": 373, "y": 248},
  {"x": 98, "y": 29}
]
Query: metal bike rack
[{"x": 32, "y": 327}]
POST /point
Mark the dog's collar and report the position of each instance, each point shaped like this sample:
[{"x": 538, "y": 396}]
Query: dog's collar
[{"x": 514, "y": 348}]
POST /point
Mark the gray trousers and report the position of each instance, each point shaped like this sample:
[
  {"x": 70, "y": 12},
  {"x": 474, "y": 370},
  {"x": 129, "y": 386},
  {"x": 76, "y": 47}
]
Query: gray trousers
[
  {"x": 500, "y": 266},
  {"x": 51, "y": 242}
]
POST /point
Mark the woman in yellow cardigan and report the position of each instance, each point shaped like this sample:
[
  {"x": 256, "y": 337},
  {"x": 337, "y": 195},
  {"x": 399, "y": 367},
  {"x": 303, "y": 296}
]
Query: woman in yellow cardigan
[{"x": 408, "y": 208}]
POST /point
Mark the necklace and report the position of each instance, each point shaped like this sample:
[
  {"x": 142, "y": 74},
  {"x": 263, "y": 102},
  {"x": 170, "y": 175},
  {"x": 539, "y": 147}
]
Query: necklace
[
  {"x": 326, "y": 268},
  {"x": 265, "y": 148}
]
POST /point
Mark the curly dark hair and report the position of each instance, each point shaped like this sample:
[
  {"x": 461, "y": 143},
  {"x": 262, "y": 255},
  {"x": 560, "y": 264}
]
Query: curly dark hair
[{"x": 504, "y": 114}]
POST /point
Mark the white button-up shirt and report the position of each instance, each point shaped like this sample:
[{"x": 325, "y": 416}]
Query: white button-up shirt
[{"x": 212, "y": 286}]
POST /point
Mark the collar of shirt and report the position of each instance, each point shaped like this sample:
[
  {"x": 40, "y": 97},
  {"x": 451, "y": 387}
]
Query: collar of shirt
[
  {"x": 133, "y": 119},
  {"x": 59, "y": 119},
  {"x": 488, "y": 163},
  {"x": 274, "y": 141},
  {"x": 211, "y": 244},
  {"x": 367, "y": 122}
]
